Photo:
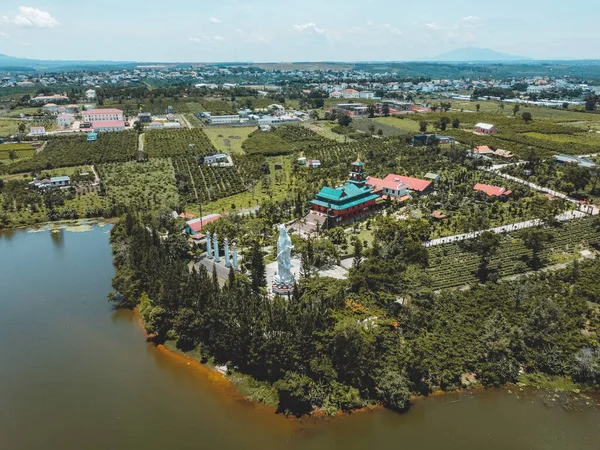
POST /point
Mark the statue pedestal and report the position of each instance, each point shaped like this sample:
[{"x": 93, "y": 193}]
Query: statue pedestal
[{"x": 282, "y": 287}]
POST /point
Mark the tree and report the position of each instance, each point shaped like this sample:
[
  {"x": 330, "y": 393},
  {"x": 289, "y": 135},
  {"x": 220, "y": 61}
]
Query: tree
[
  {"x": 527, "y": 117},
  {"x": 257, "y": 267},
  {"x": 423, "y": 126},
  {"x": 385, "y": 110},
  {"x": 590, "y": 102},
  {"x": 565, "y": 105},
  {"x": 455, "y": 123},
  {"x": 486, "y": 246},
  {"x": 371, "y": 111},
  {"x": 444, "y": 121},
  {"x": 516, "y": 109},
  {"x": 357, "y": 260},
  {"x": 477, "y": 107},
  {"x": 535, "y": 239},
  {"x": 393, "y": 392},
  {"x": 12, "y": 155},
  {"x": 344, "y": 120},
  {"x": 138, "y": 127},
  {"x": 380, "y": 132},
  {"x": 371, "y": 129},
  {"x": 22, "y": 127}
]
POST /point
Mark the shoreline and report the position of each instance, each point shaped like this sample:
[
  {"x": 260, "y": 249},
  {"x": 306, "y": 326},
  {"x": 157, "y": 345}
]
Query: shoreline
[{"x": 90, "y": 221}]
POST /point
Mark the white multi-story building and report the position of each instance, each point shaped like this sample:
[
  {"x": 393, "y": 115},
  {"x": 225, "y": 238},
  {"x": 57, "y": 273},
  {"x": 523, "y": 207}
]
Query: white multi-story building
[
  {"x": 90, "y": 94},
  {"x": 108, "y": 126},
  {"x": 50, "y": 108},
  {"x": 37, "y": 131},
  {"x": 233, "y": 118},
  {"x": 102, "y": 115},
  {"x": 64, "y": 120}
]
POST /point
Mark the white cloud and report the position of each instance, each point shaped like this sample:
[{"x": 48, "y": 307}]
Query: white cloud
[
  {"x": 393, "y": 30},
  {"x": 214, "y": 20},
  {"x": 6, "y": 36},
  {"x": 309, "y": 27},
  {"x": 239, "y": 30},
  {"x": 206, "y": 39},
  {"x": 218, "y": 38},
  {"x": 32, "y": 17},
  {"x": 197, "y": 40},
  {"x": 433, "y": 26},
  {"x": 471, "y": 22}
]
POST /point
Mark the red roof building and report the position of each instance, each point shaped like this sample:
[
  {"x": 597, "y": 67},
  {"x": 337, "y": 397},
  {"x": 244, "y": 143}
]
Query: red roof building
[
  {"x": 492, "y": 191},
  {"x": 394, "y": 182},
  {"x": 195, "y": 226}
]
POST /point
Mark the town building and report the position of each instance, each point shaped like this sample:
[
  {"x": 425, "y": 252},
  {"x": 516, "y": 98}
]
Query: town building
[
  {"x": 155, "y": 126},
  {"x": 397, "y": 186},
  {"x": 227, "y": 119},
  {"x": 145, "y": 117},
  {"x": 108, "y": 126},
  {"x": 569, "y": 159},
  {"x": 43, "y": 99},
  {"x": 37, "y": 131},
  {"x": 352, "y": 199},
  {"x": 51, "y": 108},
  {"x": 215, "y": 159},
  {"x": 64, "y": 120},
  {"x": 102, "y": 115},
  {"x": 367, "y": 95},
  {"x": 194, "y": 227},
  {"x": 432, "y": 176},
  {"x": 350, "y": 93},
  {"x": 485, "y": 128},
  {"x": 92, "y": 136},
  {"x": 426, "y": 139},
  {"x": 90, "y": 95}
]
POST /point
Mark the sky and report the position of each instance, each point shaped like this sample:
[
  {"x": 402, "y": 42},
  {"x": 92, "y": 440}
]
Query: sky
[{"x": 291, "y": 30}]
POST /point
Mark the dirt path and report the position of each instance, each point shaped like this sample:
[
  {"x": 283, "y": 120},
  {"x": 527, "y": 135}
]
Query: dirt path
[
  {"x": 187, "y": 122},
  {"x": 141, "y": 142}
]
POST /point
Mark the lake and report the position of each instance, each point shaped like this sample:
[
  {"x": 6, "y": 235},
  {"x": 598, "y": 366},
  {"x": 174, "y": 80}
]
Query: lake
[{"x": 76, "y": 374}]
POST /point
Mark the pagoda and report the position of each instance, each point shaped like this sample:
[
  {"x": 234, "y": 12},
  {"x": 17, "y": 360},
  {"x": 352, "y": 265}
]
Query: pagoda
[{"x": 349, "y": 200}]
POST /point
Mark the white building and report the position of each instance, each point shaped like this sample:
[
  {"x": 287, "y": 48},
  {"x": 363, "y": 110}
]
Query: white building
[
  {"x": 102, "y": 115},
  {"x": 215, "y": 159},
  {"x": 51, "y": 108},
  {"x": 351, "y": 93},
  {"x": 368, "y": 95},
  {"x": 108, "y": 126},
  {"x": 155, "y": 126},
  {"x": 233, "y": 118},
  {"x": 64, "y": 120},
  {"x": 37, "y": 131},
  {"x": 90, "y": 95}
]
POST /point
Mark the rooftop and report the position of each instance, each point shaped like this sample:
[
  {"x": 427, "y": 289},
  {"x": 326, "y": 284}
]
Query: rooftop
[
  {"x": 108, "y": 124},
  {"x": 103, "y": 111},
  {"x": 197, "y": 224},
  {"x": 392, "y": 181},
  {"x": 491, "y": 190}
]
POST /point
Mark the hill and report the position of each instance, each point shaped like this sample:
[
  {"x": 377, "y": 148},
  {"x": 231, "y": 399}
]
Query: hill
[{"x": 477, "y": 54}]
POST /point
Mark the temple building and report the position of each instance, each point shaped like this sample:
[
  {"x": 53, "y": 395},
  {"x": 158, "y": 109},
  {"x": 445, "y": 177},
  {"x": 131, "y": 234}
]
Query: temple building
[{"x": 352, "y": 199}]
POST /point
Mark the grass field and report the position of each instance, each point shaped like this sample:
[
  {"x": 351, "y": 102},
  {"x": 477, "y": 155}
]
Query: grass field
[
  {"x": 323, "y": 128},
  {"x": 68, "y": 171},
  {"x": 410, "y": 124},
  {"x": 150, "y": 185},
  {"x": 8, "y": 127},
  {"x": 228, "y": 139}
]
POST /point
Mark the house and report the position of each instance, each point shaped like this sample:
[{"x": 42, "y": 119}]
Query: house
[
  {"x": 155, "y": 125},
  {"x": 215, "y": 159},
  {"x": 335, "y": 94},
  {"x": 51, "y": 182},
  {"x": 426, "y": 139},
  {"x": 397, "y": 185},
  {"x": 485, "y": 128},
  {"x": 171, "y": 125},
  {"x": 90, "y": 95},
  {"x": 483, "y": 150},
  {"x": 64, "y": 120},
  {"x": 194, "y": 227},
  {"x": 503, "y": 153},
  {"x": 492, "y": 191},
  {"x": 301, "y": 161},
  {"x": 171, "y": 117},
  {"x": 265, "y": 128},
  {"x": 432, "y": 176},
  {"x": 37, "y": 131},
  {"x": 349, "y": 200},
  {"x": 187, "y": 216},
  {"x": 145, "y": 117},
  {"x": 71, "y": 109},
  {"x": 367, "y": 95},
  {"x": 51, "y": 108},
  {"x": 108, "y": 126},
  {"x": 92, "y": 136},
  {"x": 568, "y": 159},
  {"x": 102, "y": 115},
  {"x": 350, "y": 93},
  {"x": 313, "y": 163},
  {"x": 220, "y": 120}
]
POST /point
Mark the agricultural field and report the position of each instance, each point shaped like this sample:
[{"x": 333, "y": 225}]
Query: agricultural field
[
  {"x": 8, "y": 127},
  {"x": 451, "y": 265},
  {"x": 75, "y": 150},
  {"x": 147, "y": 185},
  {"x": 165, "y": 143},
  {"x": 68, "y": 171},
  {"x": 323, "y": 128},
  {"x": 283, "y": 140},
  {"x": 372, "y": 126},
  {"x": 22, "y": 151},
  {"x": 228, "y": 139},
  {"x": 405, "y": 123}
]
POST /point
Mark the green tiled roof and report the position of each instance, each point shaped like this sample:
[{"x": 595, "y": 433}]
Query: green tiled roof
[
  {"x": 343, "y": 193},
  {"x": 345, "y": 205}
]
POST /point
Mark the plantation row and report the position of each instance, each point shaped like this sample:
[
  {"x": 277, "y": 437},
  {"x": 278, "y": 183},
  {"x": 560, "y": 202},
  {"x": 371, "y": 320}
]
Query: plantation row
[
  {"x": 75, "y": 150},
  {"x": 284, "y": 140},
  {"x": 451, "y": 266},
  {"x": 211, "y": 183},
  {"x": 164, "y": 143}
]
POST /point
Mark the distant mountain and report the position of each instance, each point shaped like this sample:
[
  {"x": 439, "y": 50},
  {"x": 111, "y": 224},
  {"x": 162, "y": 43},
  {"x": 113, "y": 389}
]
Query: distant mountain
[
  {"x": 13, "y": 63},
  {"x": 473, "y": 54}
]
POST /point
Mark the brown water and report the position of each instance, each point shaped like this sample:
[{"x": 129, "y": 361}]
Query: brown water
[{"x": 75, "y": 374}]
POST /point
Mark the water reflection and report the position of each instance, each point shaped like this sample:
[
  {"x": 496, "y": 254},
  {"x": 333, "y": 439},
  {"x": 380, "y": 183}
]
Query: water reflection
[{"x": 58, "y": 238}]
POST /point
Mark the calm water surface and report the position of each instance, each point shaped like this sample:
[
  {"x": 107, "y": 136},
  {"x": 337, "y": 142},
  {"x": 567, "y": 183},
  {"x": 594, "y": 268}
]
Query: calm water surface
[{"x": 75, "y": 374}]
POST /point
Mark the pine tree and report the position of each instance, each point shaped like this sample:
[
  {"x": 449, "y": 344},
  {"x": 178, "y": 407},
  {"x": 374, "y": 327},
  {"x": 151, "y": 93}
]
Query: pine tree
[{"x": 257, "y": 267}]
